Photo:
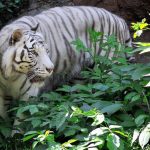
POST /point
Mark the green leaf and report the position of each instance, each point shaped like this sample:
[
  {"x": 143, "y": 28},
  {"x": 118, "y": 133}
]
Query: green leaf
[
  {"x": 101, "y": 104},
  {"x": 68, "y": 143},
  {"x": 8, "y": 9},
  {"x": 130, "y": 95},
  {"x": 135, "y": 98},
  {"x": 115, "y": 127},
  {"x": 100, "y": 86},
  {"x": 74, "y": 119},
  {"x": 139, "y": 120},
  {"x": 122, "y": 60},
  {"x": 122, "y": 133},
  {"x": 65, "y": 88},
  {"x": 69, "y": 132},
  {"x": 76, "y": 111},
  {"x": 36, "y": 123},
  {"x": 84, "y": 88},
  {"x": 1, "y": 5},
  {"x": 50, "y": 138},
  {"x": 5, "y": 130},
  {"x": 42, "y": 106},
  {"x": 80, "y": 46},
  {"x": 139, "y": 49},
  {"x": 114, "y": 142},
  {"x": 21, "y": 110},
  {"x": 145, "y": 50},
  {"x": 29, "y": 137},
  {"x": 33, "y": 109},
  {"x": 34, "y": 144},
  {"x": 53, "y": 146},
  {"x": 31, "y": 132},
  {"x": 128, "y": 124},
  {"x": 135, "y": 136},
  {"x": 111, "y": 109},
  {"x": 61, "y": 118},
  {"x": 99, "y": 131},
  {"x": 51, "y": 96},
  {"x": 98, "y": 119},
  {"x": 144, "y": 136},
  {"x": 91, "y": 113},
  {"x": 137, "y": 74},
  {"x": 148, "y": 84}
]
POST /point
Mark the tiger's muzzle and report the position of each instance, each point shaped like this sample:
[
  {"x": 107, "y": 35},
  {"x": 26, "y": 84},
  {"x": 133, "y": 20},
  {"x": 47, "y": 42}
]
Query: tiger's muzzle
[{"x": 38, "y": 78}]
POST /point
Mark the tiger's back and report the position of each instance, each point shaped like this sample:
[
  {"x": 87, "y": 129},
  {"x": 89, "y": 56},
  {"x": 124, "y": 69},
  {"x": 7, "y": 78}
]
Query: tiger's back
[{"x": 62, "y": 25}]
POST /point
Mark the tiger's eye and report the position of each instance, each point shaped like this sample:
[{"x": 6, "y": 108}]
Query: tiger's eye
[
  {"x": 34, "y": 53},
  {"x": 41, "y": 42}
]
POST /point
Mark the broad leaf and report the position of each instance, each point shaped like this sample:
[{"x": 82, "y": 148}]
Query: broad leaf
[
  {"x": 98, "y": 119},
  {"x": 99, "y": 131},
  {"x": 135, "y": 136},
  {"x": 112, "y": 108},
  {"x": 140, "y": 119},
  {"x": 144, "y": 136},
  {"x": 114, "y": 142}
]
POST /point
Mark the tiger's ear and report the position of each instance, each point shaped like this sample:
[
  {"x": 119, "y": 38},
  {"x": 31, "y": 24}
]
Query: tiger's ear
[
  {"x": 15, "y": 37},
  {"x": 35, "y": 28}
]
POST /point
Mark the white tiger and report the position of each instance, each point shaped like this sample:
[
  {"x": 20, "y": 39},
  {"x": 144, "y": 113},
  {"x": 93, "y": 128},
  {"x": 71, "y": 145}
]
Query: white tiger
[{"x": 29, "y": 57}]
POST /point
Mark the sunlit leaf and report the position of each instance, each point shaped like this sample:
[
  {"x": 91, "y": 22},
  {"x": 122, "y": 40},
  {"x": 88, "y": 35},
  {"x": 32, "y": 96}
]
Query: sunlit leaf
[
  {"x": 144, "y": 136},
  {"x": 29, "y": 137},
  {"x": 148, "y": 84},
  {"x": 98, "y": 119},
  {"x": 68, "y": 143},
  {"x": 34, "y": 144},
  {"x": 114, "y": 142},
  {"x": 135, "y": 136},
  {"x": 99, "y": 131},
  {"x": 145, "y": 50}
]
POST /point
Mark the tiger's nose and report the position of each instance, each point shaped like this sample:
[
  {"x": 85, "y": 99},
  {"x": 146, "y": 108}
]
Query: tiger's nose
[{"x": 49, "y": 70}]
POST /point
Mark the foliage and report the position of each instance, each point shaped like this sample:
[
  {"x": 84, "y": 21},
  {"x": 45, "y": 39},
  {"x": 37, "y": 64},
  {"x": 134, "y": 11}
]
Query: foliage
[
  {"x": 143, "y": 136},
  {"x": 9, "y": 9},
  {"x": 139, "y": 27},
  {"x": 102, "y": 113},
  {"x": 142, "y": 47}
]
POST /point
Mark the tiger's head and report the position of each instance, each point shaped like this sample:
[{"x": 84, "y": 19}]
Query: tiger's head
[{"x": 28, "y": 54}]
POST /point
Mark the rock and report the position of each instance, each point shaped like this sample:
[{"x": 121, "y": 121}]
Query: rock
[
  {"x": 36, "y": 6},
  {"x": 130, "y": 10}
]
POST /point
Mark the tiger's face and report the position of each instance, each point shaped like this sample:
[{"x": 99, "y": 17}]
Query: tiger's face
[{"x": 27, "y": 54}]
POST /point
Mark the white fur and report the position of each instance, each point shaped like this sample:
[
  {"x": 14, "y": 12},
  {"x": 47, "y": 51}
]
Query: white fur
[{"x": 58, "y": 27}]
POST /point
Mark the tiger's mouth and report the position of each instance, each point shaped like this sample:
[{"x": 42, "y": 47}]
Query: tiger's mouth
[{"x": 37, "y": 79}]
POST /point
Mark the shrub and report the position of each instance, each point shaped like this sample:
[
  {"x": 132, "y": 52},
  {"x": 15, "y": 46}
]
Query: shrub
[
  {"x": 102, "y": 113},
  {"x": 10, "y": 9}
]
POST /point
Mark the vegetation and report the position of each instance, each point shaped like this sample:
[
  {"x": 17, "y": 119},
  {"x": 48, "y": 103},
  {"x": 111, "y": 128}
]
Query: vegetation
[
  {"x": 10, "y": 8},
  {"x": 109, "y": 111}
]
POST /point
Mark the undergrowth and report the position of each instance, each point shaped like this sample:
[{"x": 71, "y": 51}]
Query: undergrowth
[
  {"x": 110, "y": 110},
  {"x": 10, "y": 9}
]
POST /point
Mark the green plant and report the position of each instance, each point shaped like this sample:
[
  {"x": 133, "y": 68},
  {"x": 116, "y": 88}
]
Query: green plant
[
  {"x": 102, "y": 113},
  {"x": 9, "y": 9},
  {"x": 143, "y": 135},
  {"x": 139, "y": 28}
]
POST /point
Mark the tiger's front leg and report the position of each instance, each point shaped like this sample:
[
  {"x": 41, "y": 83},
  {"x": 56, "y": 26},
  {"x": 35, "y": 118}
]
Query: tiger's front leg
[
  {"x": 32, "y": 92},
  {"x": 3, "y": 111}
]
